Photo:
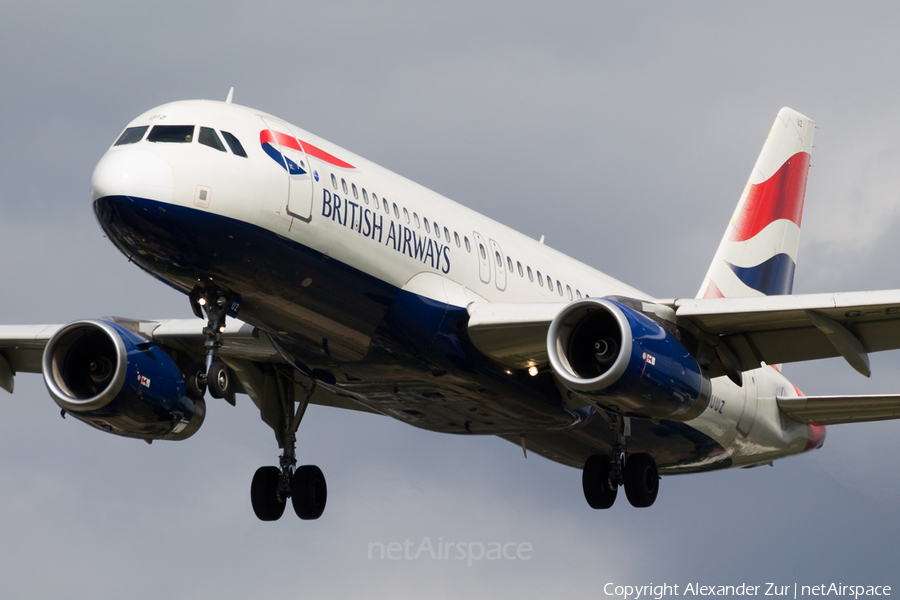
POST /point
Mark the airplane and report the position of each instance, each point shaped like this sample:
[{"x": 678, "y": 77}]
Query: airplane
[{"x": 320, "y": 277}]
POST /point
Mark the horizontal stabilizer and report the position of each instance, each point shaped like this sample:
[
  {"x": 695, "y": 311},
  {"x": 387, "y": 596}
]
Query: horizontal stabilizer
[{"x": 834, "y": 410}]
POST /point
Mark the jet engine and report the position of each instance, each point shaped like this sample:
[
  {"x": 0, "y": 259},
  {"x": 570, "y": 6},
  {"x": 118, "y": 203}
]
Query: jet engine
[
  {"x": 618, "y": 359},
  {"x": 117, "y": 381}
]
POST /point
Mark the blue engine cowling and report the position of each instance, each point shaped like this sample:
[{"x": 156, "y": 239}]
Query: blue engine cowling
[
  {"x": 618, "y": 359},
  {"x": 118, "y": 381}
]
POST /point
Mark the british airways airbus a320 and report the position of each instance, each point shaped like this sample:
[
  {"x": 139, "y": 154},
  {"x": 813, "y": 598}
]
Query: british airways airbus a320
[{"x": 318, "y": 276}]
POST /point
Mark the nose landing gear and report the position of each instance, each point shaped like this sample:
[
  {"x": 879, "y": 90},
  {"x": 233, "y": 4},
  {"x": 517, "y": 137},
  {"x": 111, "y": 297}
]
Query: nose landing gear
[
  {"x": 214, "y": 374},
  {"x": 602, "y": 474}
]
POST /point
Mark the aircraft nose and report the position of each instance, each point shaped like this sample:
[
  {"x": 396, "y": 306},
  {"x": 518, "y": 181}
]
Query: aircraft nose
[{"x": 132, "y": 172}]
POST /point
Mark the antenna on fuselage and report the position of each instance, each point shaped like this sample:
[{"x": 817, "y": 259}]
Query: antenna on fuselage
[{"x": 230, "y": 95}]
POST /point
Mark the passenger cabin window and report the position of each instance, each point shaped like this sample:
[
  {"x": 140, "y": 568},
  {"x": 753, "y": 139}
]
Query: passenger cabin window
[
  {"x": 234, "y": 144},
  {"x": 578, "y": 294},
  {"x": 540, "y": 279},
  {"x": 416, "y": 219},
  {"x": 178, "y": 134},
  {"x": 447, "y": 235},
  {"x": 559, "y": 287},
  {"x": 483, "y": 253},
  {"x": 406, "y": 214},
  {"x": 456, "y": 238},
  {"x": 209, "y": 137},
  {"x": 132, "y": 135},
  {"x": 437, "y": 230},
  {"x": 344, "y": 185},
  {"x": 427, "y": 226},
  {"x": 396, "y": 211},
  {"x": 355, "y": 193},
  {"x": 509, "y": 264},
  {"x": 365, "y": 195},
  {"x": 549, "y": 283},
  {"x": 530, "y": 276},
  {"x": 333, "y": 181},
  {"x": 468, "y": 246},
  {"x": 387, "y": 208},
  {"x": 521, "y": 273}
]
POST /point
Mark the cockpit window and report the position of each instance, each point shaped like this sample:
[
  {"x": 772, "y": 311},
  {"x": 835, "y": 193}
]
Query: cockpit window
[
  {"x": 171, "y": 133},
  {"x": 234, "y": 144},
  {"x": 132, "y": 135},
  {"x": 209, "y": 137}
]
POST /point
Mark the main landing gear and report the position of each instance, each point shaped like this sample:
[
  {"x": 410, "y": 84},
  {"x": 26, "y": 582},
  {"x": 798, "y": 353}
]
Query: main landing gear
[
  {"x": 305, "y": 485},
  {"x": 602, "y": 474},
  {"x": 282, "y": 403}
]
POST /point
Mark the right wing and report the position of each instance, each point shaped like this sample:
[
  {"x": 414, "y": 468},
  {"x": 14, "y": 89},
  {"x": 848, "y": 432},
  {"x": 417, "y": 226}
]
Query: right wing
[{"x": 782, "y": 329}]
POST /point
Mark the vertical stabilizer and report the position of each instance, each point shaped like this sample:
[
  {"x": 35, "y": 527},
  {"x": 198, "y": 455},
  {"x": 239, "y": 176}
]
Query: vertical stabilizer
[{"x": 758, "y": 252}]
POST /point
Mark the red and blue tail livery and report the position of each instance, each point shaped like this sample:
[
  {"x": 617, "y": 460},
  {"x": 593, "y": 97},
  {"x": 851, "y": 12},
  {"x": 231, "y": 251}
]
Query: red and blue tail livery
[{"x": 758, "y": 253}]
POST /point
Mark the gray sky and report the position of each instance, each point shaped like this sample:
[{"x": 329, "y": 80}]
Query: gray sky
[{"x": 624, "y": 132}]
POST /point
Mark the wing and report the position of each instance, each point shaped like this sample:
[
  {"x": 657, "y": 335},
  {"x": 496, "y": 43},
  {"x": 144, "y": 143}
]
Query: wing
[
  {"x": 246, "y": 351},
  {"x": 746, "y": 331},
  {"x": 784, "y": 329}
]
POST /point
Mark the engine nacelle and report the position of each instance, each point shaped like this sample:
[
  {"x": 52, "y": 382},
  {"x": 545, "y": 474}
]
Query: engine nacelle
[
  {"x": 117, "y": 381},
  {"x": 620, "y": 360}
]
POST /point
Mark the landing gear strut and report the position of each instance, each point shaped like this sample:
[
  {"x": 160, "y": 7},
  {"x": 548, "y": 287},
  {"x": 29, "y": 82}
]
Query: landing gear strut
[
  {"x": 602, "y": 474},
  {"x": 305, "y": 485},
  {"x": 214, "y": 374}
]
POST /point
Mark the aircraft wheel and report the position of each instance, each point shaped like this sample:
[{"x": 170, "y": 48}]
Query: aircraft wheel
[
  {"x": 595, "y": 480},
  {"x": 641, "y": 480},
  {"x": 308, "y": 492},
  {"x": 218, "y": 379},
  {"x": 195, "y": 381},
  {"x": 264, "y": 494}
]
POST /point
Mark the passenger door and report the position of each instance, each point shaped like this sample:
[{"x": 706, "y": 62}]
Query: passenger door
[{"x": 285, "y": 149}]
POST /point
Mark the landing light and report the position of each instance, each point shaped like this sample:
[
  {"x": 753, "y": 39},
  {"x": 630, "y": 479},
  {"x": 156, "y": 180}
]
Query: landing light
[
  {"x": 202, "y": 301},
  {"x": 222, "y": 329},
  {"x": 532, "y": 370}
]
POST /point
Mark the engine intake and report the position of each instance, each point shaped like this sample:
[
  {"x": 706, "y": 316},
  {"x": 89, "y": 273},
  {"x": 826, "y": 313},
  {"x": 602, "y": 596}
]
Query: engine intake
[
  {"x": 618, "y": 359},
  {"x": 111, "y": 378}
]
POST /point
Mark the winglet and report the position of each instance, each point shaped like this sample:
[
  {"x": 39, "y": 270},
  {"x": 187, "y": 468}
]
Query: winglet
[{"x": 230, "y": 95}]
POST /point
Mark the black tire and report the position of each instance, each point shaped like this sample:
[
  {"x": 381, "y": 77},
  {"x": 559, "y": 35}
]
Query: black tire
[
  {"x": 641, "y": 480},
  {"x": 309, "y": 492},
  {"x": 218, "y": 380},
  {"x": 595, "y": 480},
  {"x": 264, "y": 494},
  {"x": 195, "y": 381}
]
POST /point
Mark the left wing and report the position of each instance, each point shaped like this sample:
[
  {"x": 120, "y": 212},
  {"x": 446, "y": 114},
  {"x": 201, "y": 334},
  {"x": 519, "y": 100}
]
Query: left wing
[{"x": 244, "y": 350}]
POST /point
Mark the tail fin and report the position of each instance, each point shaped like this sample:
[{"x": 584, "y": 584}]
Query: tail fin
[{"x": 758, "y": 252}]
